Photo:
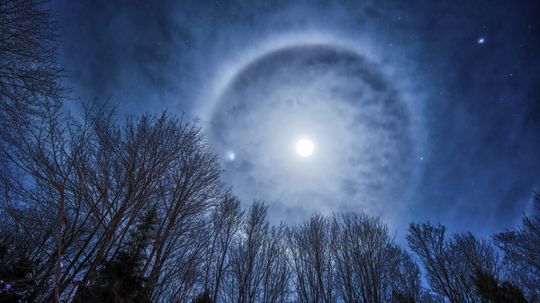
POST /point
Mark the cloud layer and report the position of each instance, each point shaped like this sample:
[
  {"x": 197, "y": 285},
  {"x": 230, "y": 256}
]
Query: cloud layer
[
  {"x": 478, "y": 103},
  {"x": 361, "y": 128}
]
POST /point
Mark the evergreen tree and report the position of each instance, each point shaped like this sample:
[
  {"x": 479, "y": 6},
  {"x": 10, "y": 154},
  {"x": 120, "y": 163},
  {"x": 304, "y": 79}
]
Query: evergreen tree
[
  {"x": 16, "y": 266},
  {"x": 491, "y": 291},
  {"x": 15, "y": 271},
  {"x": 398, "y": 297},
  {"x": 203, "y": 298},
  {"x": 118, "y": 282},
  {"x": 121, "y": 280}
]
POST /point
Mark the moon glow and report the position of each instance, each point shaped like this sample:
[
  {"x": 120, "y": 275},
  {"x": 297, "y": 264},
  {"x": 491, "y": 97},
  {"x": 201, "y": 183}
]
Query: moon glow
[
  {"x": 364, "y": 140},
  {"x": 304, "y": 147}
]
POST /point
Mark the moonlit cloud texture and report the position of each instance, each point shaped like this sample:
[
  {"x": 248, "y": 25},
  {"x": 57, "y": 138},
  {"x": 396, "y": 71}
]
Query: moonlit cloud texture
[
  {"x": 360, "y": 123},
  {"x": 411, "y": 116}
]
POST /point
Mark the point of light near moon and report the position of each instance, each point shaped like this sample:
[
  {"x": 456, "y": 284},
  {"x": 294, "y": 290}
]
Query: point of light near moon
[
  {"x": 230, "y": 156},
  {"x": 304, "y": 147}
]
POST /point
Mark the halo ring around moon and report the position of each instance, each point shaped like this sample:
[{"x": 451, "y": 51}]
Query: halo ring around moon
[{"x": 334, "y": 95}]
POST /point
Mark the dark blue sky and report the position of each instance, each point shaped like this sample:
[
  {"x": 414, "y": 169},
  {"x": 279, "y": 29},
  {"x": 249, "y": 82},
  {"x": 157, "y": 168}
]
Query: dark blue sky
[{"x": 474, "y": 65}]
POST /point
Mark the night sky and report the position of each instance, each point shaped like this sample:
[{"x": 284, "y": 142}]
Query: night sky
[{"x": 419, "y": 110}]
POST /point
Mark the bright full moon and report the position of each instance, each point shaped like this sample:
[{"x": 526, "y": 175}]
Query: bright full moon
[{"x": 304, "y": 147}]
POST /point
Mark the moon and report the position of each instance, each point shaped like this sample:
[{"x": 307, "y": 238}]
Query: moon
[{"x": 304, "y": 147}]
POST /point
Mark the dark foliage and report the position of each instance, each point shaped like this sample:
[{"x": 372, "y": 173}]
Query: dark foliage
[
  {"x": 15, "y": 275},
  {"x": 121, "y": 280},
  {"x": 203, "y": 298},
  {"x": 491, "y": 291},
  {"x": 398, "y": 297}
]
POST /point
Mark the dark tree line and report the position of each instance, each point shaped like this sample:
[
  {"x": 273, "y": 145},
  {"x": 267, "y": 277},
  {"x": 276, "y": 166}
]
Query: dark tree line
[{"x": 97, "y": 209}]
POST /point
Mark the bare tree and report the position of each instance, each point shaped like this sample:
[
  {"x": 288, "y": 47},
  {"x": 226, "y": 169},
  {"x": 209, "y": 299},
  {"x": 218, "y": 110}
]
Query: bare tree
[
  {"x": 186, "y": 192},
  {"x": 257, "y": 270},
  {"x": 522, "y": 253},
  {"x": 405, "y": 277},
  {"x": 312, "y": 260},
  {"x": 451, "y": 265},
  {"x": 30, "y": 95},
  {"x": 369, "y": 267},
  {"x": 277, "y": 271},
  {"x": 91, "y": 179},
  {"x": 45, "y": 159},
  {"x": 225, "y": 222},
  {"x": 159, "y": 163},
  {"x": 29, "y": 72}
]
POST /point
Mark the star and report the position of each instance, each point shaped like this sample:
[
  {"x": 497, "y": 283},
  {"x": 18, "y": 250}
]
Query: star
[{"x": 481, "y": 40}]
